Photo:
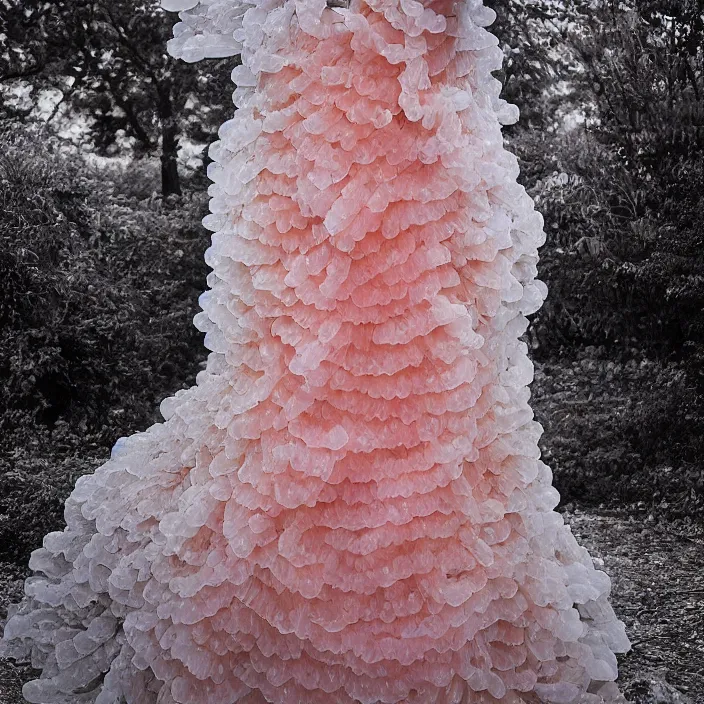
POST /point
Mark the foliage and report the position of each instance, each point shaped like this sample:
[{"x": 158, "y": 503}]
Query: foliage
[
  {"x": 623, "y": 260},
  {"x": 644, "y": 71},
  {"x": 98, "y": 285},
  {"x": 107, "y": 61},
  {"x": 625, "y": 204},
  {"x": 621, "y": 193},
  {"x": 538, "y": 62},
  {"x": 619, "y": 432}
]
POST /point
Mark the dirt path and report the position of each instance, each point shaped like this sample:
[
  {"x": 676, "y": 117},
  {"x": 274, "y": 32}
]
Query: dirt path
[{"x": 658, "y": 590}]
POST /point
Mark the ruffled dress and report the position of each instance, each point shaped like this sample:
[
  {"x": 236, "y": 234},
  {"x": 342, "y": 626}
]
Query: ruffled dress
[{"x": 349, "y": 506}]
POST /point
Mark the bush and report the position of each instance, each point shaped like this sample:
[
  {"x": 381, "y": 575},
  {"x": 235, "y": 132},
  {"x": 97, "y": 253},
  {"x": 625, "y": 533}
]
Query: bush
[
  {"x": 98, "y": 287},
  {"x": 622, "y": 433},
  {"x": 620, "y": 337}
]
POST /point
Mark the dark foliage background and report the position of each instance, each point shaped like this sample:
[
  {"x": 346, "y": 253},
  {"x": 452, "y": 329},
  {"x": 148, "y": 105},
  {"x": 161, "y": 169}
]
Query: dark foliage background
[{"x": 101, "y": 265}]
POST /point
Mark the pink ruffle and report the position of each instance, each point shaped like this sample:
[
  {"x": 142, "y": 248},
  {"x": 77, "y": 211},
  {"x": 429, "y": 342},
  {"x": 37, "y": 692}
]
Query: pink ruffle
[{"x": 349, "y": 507}]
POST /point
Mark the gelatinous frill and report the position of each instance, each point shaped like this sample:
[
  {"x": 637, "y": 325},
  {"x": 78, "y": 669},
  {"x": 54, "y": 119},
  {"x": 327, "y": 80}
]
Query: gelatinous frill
[{"x": 349, "y": 507}]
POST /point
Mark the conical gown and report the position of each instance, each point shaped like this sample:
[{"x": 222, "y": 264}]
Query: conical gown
[{"x": 349, "y": 507}]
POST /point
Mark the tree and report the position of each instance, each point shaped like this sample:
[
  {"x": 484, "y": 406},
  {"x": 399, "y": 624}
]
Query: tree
[
  {"x": 108, "y": 62},
  {"x": 645, "y": 66},
  {"x": 541, "y": 66},
  {"x": 624, "y": 254},
  {"x": 643, "y": 81}
]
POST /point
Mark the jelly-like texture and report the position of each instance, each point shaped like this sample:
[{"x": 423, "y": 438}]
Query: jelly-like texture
[{"x": 349, "y": 507}]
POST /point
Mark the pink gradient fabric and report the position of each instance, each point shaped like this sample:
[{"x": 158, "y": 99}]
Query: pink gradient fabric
[{"x": 349, "y": 507}]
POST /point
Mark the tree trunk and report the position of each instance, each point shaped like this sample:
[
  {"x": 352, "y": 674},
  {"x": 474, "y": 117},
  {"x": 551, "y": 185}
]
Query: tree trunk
[{"x": 170, "y": 182}]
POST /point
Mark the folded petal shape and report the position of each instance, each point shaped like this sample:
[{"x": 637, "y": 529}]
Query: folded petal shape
[{"x": 349, "y": 506}]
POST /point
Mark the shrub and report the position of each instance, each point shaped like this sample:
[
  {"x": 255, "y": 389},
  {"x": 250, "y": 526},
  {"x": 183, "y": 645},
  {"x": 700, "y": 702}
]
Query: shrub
[
  {"x": 623, "y": 262},
  {"x": 622, "y": 433},
  {"x": 98, "y": 287}
]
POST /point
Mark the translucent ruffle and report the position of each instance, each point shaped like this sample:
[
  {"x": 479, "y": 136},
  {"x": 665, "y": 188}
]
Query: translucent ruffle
[{"x": 349, "y": 506}]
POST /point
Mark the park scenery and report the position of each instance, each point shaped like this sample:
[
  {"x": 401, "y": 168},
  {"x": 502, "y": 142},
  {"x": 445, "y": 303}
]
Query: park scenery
[{"x": 377, "y": 381}]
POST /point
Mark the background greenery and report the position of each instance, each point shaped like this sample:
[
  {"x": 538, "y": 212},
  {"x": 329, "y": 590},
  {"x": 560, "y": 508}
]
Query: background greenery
[{"x": 101, "y": 247}]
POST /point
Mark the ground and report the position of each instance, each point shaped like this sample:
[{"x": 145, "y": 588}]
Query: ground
[{"x": 658, "y": 590}]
